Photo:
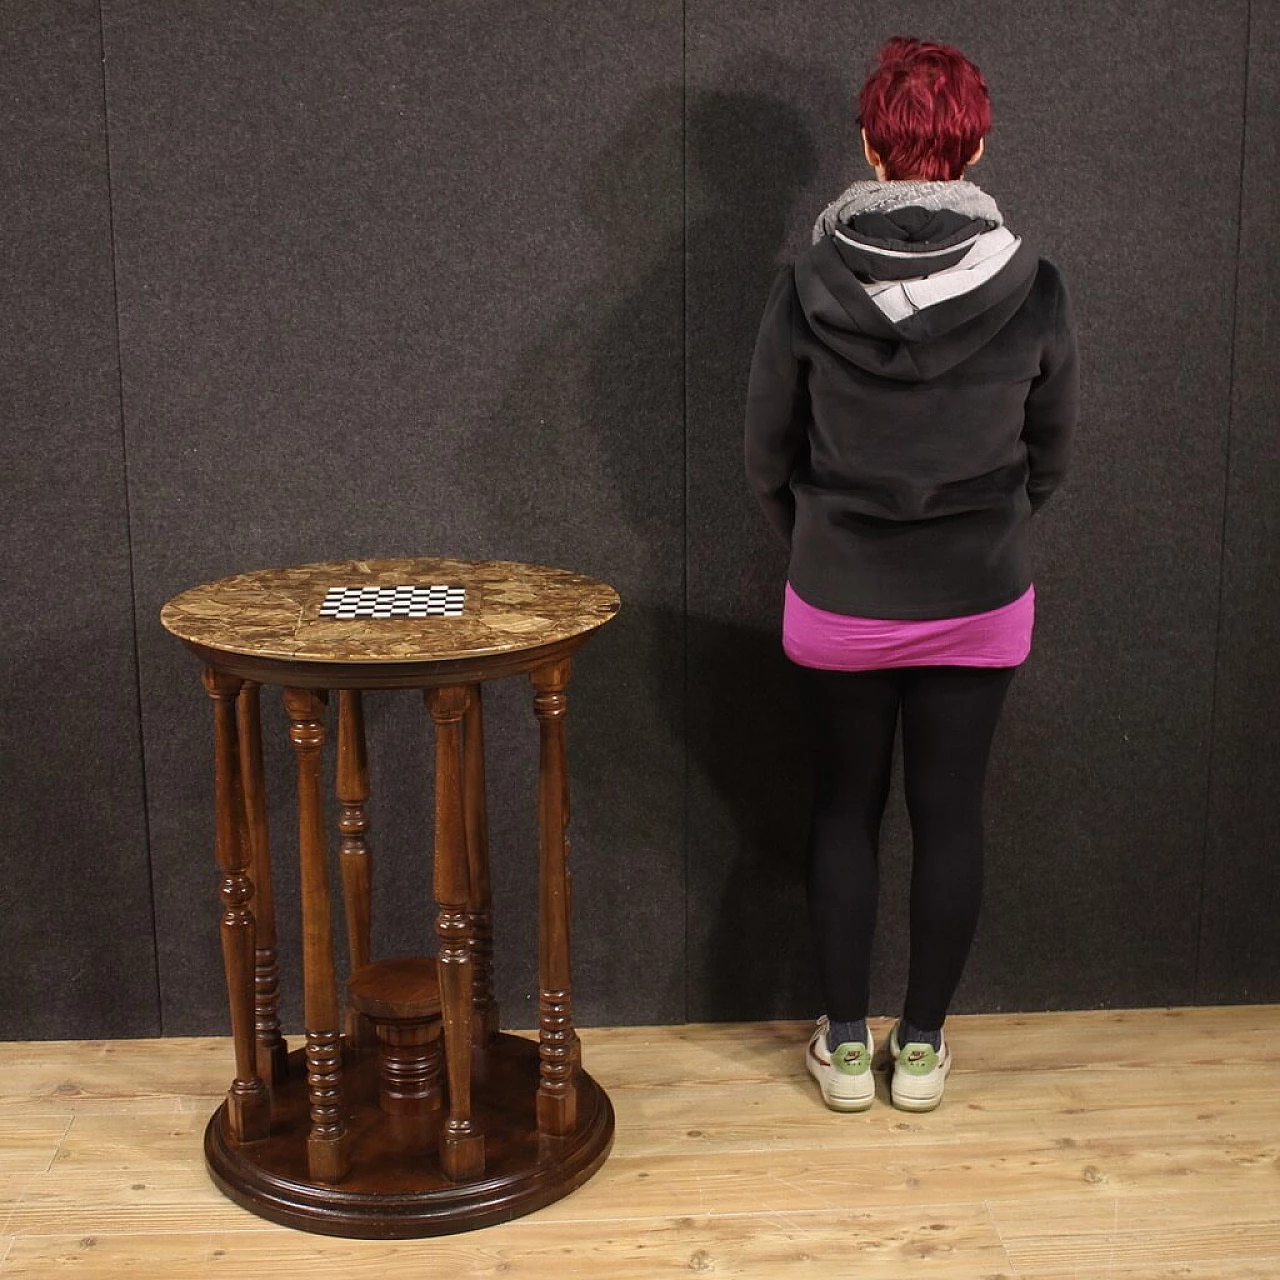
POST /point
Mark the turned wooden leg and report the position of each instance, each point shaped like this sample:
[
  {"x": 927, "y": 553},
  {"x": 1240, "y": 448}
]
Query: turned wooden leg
[
  {"x": 485, "y": 1020},
  {"x": 575, "y": 1045},
  {"x": 248, "y": 1104},
  {"x": 353, "y": 792},
  {"x": 327, "y": 1143},
  {"x": 557, "y": 1042},
  {"x": 273, "y": 1052},
  {"x": 461, "y": 1143}
]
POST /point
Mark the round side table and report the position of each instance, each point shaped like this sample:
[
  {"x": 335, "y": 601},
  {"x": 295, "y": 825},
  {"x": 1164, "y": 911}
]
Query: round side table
[{"x": 302, "y": 1138}]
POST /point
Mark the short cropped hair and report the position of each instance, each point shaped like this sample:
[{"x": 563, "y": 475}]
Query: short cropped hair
[{"x": 925, "y": 108}]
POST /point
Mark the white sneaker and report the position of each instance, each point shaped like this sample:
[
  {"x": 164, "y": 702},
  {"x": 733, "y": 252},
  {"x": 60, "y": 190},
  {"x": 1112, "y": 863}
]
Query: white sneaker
[
  {"x": 919, "y": 1074},
  {"x": 844, "y": 1076}
]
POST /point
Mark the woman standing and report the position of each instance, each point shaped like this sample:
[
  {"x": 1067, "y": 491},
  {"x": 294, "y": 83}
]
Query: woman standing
[{"x": 912, "y": 398}]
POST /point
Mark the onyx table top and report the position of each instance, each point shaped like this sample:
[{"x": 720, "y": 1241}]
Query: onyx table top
[{"x": 273, "y": 615}]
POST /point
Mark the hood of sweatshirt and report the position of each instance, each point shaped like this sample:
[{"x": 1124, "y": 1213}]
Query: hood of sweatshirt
[{"x": 909, "y": 279}]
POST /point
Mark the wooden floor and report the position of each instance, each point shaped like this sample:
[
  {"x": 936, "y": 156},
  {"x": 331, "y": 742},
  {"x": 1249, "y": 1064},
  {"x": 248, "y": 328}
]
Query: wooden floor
[{"x": 1135, "y": 1145}]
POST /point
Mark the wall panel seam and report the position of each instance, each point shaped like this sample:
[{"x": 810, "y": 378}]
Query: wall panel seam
[
  {"x": 128, "y": 522},
  {"x": 1197, "y": 977},
  {"x": 684, "y": 399}
]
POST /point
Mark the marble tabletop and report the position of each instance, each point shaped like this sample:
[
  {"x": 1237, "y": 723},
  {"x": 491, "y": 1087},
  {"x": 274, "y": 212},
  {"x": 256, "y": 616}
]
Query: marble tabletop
[{"x": 275, "y": 613}]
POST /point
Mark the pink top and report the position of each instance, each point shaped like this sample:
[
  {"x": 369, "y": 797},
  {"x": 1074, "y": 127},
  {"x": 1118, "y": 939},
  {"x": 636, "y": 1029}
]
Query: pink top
[{"x": 835, "y": 642}]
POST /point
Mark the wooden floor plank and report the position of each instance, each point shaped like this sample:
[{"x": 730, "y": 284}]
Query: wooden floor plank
[
  {"x": 29, "y": 1144},
  {"x": 800, "y": 1180},
  {"x": 73, "y": 1076},
  {"x": 1203, "y": 1225},
  {"x": 737, "y": 1117},
  {"x": 1246, "y": 1268},
  {"x": 155, "y": 1169},
  {"x": 951, "y": 1243},
  {"x": 9, "y": 1198}
]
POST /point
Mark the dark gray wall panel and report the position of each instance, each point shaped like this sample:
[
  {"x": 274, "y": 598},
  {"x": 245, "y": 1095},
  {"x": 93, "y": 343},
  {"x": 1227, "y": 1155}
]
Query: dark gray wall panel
[
  {"x": 78, "y": 933},
  {"x": 401, "y": 278},
  {"x": 1240, "y": 940},
  {"x": 1098, "y": 792}
]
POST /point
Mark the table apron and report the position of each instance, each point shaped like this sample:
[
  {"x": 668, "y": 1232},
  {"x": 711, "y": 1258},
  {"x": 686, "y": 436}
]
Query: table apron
[{"x": 299, "y": 674}]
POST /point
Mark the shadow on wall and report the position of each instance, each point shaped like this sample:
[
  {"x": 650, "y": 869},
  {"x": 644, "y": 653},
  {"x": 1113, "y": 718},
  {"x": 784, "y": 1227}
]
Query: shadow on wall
[
  {"x": 591, "y": 437},
  {"x": 582, "y": 466},
  {"x": 750, "y": 161},
  {"x": 748, "y": 951}
]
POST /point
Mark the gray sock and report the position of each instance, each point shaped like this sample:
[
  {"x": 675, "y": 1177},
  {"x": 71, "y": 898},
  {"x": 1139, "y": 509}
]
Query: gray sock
[
  {"x": 839, "y": 1033},
  {"x": 907, "y": 1034}
]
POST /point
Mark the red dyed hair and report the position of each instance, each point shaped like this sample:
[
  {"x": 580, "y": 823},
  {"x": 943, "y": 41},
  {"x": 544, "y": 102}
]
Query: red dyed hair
[{"x": 925, "y": 109}]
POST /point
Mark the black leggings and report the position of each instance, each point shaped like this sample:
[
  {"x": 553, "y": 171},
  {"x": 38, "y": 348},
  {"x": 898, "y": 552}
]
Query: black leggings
[{"x": 949, "y": 717}]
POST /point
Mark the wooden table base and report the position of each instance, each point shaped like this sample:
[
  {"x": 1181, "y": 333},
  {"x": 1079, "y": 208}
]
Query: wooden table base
[{"x": 395, "y": 1189}]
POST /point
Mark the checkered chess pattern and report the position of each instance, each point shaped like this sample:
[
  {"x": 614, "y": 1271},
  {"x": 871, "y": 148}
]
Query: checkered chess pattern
[{"x": 349, "y": 603}]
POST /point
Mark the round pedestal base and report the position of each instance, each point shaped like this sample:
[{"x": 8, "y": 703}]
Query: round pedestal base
[{"x": 395, "y": 1188}]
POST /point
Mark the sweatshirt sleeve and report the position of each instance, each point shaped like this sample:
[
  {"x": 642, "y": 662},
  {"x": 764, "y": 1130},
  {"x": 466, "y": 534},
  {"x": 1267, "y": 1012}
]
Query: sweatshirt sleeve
[
  {"x": 777, "y": 409},
  {"x": 1052, "y": 409}
]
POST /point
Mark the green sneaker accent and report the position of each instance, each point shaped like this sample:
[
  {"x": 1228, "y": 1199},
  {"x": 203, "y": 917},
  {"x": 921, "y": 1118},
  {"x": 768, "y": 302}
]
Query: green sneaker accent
[
  {"x": 917, "y": 1059},
  {"x": 851, "y": 1059}
]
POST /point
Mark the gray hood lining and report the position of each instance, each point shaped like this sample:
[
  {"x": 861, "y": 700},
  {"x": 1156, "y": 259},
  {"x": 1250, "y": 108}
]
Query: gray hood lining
[{"x": 880, "y": 197}]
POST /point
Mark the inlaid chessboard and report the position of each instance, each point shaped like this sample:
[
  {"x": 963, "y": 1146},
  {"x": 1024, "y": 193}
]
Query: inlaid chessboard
[{"x": 406, "y": 601}]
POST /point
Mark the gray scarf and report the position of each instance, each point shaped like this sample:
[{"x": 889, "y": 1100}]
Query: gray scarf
[{"x": 867, "y": 197}]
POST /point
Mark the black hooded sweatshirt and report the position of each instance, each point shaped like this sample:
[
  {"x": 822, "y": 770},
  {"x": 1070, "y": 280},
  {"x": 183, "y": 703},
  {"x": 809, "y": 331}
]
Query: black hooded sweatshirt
[{"x": 901, "y": 460}]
